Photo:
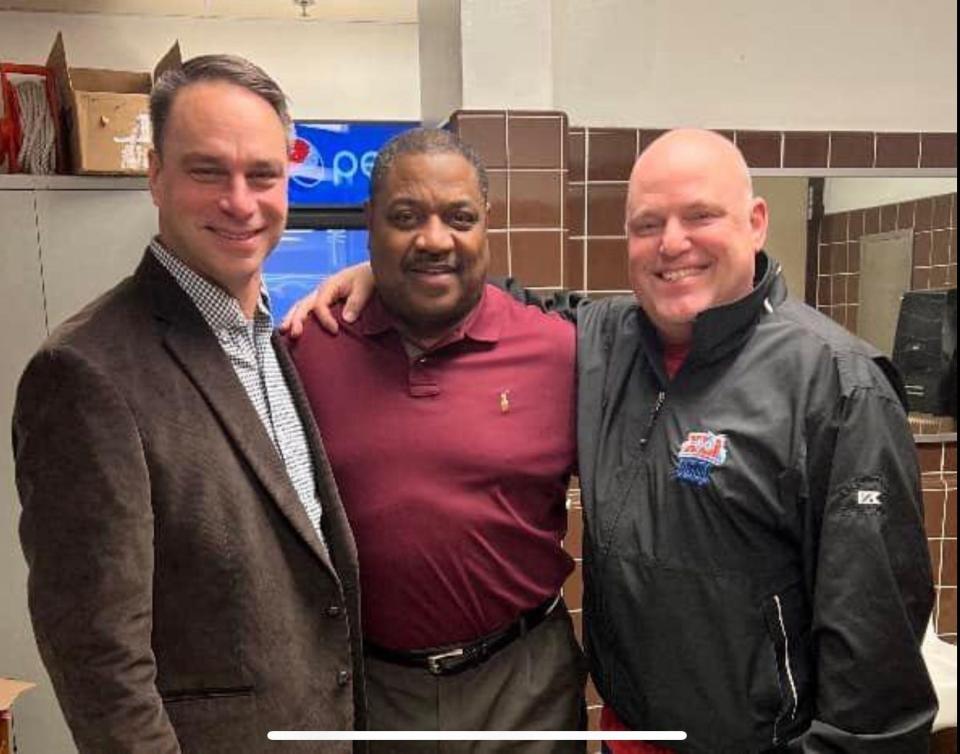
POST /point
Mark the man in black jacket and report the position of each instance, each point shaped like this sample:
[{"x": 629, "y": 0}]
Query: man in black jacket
[{"x": 756, "y": 571}]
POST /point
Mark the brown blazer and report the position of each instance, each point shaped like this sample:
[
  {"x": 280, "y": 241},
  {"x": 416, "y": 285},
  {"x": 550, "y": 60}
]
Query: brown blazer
[{"x": 180, "y": 597}]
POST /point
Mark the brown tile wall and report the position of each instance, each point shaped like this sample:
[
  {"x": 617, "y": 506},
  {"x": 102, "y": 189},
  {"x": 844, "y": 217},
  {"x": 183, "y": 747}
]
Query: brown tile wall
[
  {"x": 558, "y": 194},
  {"x": 847, "y": 149},
  {"x": 938, "y": 464},
  {"x": 600, "y": 160},
  {"x": 600, "y": 164},
  {"x": 934, "y": 223},
  {"x": 526, "y": 157}
]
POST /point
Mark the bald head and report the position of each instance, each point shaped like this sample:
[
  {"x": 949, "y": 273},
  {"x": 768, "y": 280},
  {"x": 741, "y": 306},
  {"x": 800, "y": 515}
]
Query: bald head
[
  {"x": 691, "y": 148},
  {"x": 693, "y": 228}
]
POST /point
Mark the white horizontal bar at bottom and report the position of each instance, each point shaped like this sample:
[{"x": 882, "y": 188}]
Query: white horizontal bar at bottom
[{"x": 477, "y": 735}]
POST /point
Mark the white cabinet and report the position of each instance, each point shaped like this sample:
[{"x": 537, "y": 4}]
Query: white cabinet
[{"x": 89, "y": 241}]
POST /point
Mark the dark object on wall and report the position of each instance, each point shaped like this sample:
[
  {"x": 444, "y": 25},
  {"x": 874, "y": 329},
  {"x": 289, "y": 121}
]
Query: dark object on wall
[
  {"x": 925, "y": 346},
  {"x": 948, "y": 388}
]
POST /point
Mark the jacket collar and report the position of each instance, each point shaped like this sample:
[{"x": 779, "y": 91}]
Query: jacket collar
[{"x": 723, "y": 329}]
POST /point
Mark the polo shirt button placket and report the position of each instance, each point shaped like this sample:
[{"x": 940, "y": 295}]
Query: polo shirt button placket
[{"x": 420, "y": 382}]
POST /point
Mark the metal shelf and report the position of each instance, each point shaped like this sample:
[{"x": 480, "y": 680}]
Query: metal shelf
[{"x": 23, "y": 182}]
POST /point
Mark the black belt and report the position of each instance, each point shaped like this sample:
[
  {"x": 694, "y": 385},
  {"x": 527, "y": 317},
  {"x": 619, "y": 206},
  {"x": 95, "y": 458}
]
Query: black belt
[{"x": 451, "y": 660}]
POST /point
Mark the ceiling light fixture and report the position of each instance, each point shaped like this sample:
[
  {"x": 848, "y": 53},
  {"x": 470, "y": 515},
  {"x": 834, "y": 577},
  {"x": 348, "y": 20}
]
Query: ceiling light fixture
[{"x": 304, "y": 4}]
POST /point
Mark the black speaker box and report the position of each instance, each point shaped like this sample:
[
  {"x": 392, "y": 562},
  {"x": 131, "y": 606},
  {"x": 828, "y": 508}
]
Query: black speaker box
[{"x": 925, "y": 346}]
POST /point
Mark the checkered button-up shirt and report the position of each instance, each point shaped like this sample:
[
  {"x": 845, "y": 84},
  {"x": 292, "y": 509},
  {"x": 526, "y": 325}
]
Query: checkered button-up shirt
[{"x": 248, "y": 346}]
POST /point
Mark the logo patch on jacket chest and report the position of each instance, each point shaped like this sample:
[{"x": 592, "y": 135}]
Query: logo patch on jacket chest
[{"x": 698, "y": 455}]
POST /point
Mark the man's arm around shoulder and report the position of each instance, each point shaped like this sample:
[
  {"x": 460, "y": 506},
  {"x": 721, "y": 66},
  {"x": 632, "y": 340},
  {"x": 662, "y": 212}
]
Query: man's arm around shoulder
[{"x": 564, "y": 303}]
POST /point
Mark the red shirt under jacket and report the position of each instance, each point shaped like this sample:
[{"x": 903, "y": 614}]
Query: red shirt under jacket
[
  {"x": 453, "y": 468},
  {"x": 610, "y": 721}
]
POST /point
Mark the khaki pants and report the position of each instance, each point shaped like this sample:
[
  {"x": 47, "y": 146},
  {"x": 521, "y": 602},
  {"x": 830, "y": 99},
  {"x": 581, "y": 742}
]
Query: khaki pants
[{"x": 534, "y": 683}]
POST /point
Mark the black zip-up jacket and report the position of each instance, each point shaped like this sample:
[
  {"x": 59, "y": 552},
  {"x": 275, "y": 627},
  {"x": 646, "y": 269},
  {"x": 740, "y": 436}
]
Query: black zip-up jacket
[{"x": 756, "y": 570}]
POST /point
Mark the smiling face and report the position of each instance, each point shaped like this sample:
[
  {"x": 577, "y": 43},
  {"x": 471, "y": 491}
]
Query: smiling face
[
  {"x": 428, "y": 242},
  {"x": 220, "y": 184},
  {"x": 693, "y": 229}
]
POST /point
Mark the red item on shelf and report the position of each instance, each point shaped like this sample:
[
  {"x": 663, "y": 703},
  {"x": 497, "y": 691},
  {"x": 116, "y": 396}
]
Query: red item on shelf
[{"x": 11, "y": 136}]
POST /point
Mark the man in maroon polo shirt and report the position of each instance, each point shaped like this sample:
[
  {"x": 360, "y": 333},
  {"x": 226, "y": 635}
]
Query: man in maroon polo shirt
[{"x": 451, "y": 433}]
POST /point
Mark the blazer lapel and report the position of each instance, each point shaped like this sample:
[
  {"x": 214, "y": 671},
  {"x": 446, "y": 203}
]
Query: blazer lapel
[
  {"x": 190, "y": 341},
  {"x": 336, "y": 527}
]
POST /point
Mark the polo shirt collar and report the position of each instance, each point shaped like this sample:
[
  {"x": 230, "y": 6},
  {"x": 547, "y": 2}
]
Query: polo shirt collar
[{"x": 483, "y": 324}]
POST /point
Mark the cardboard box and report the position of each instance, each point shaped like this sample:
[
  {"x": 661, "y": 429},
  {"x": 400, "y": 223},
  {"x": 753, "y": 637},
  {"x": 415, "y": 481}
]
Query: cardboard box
[
  {"x": 104, "y": 114},
  {"x": 9, "y": 691}
]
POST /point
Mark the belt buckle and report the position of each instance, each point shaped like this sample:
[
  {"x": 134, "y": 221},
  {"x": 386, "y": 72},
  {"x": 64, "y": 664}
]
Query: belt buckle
[{"x": 434, "y": 661}]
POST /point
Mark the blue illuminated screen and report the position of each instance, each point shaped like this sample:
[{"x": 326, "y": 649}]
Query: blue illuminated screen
[
  {"x": 304, "y": 257},
  {"x": 330, "y": 163}
]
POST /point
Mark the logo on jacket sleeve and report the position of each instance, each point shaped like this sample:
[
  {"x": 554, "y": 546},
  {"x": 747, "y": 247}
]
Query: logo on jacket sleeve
[{"x": 698, "y": 456}]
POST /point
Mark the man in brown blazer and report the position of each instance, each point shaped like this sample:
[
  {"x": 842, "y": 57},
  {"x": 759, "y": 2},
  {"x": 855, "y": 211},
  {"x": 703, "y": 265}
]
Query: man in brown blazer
[{"x": 193, "y": 579}]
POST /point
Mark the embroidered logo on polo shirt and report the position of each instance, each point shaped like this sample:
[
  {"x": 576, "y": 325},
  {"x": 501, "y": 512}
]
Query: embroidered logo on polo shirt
[
  {"x": 868, "y": 497},
  {"x": 699, "y": 454},
  {"x": 504, "y": 401}
]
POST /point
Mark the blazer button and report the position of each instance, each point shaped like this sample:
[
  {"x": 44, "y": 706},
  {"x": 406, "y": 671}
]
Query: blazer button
[
  {"x": 334, "y": 611},
  {"x": 343, "y": 678}
]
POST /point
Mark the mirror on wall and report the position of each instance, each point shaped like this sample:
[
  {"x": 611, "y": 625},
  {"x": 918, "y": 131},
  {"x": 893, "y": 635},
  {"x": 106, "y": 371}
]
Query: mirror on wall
[{"x": 880, "y": 239}]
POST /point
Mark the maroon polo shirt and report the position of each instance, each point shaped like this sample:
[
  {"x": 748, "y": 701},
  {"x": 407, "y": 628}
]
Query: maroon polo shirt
[{"x": 453, "y": 467}]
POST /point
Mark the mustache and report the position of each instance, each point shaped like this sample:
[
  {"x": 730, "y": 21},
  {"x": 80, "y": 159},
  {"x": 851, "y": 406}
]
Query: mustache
[{"x": 426, "y": 262}]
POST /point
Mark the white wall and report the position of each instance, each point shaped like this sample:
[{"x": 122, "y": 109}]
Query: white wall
[
  {"x": 778, "y": 64},
  {"x": 329, "y": 70},
  {"x": 441, "y": 71},
  {"x": 507, "y": 54},
  {"x": 757, "y": 64},
  {"x": 843, "y": 194}
]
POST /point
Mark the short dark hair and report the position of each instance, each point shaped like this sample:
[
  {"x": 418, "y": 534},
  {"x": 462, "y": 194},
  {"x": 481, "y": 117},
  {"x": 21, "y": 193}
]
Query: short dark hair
[
  {"x": 231, "y": 69},
  {"x": 425, "y": 141}
]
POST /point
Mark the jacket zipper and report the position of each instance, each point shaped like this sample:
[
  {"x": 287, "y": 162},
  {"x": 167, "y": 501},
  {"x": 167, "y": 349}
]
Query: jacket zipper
[
  {"x": 786, "y": 662},
  {"x": 654, "y": 412}
]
